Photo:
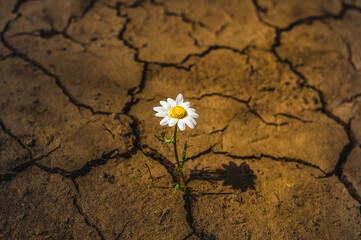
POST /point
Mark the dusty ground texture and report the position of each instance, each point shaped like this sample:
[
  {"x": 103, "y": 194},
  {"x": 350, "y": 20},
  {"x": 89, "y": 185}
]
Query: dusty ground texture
[{"x": 277, "y": 150}]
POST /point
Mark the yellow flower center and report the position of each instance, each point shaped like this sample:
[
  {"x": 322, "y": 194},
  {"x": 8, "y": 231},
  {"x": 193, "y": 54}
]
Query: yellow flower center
[{"x": 178, "y": 112}]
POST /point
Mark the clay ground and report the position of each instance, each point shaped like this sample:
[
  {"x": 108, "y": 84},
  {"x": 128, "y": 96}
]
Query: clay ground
[{"x": 276, "y": 152}]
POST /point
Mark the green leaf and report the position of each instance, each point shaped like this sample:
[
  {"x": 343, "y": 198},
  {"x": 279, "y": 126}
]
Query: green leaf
[
  {"x": 176, "y": 187},
  {"x": 164, "y": 139}
]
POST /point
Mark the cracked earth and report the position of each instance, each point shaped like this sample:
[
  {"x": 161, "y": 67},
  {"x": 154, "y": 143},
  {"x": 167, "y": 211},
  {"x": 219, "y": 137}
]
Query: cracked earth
[{"x": 277, "y": 150}]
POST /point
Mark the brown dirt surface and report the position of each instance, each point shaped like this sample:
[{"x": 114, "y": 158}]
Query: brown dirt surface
[{"x": 276, "y": 153}]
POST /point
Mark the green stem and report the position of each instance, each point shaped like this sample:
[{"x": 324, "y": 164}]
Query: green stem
[{"x": 181, "y": 177}]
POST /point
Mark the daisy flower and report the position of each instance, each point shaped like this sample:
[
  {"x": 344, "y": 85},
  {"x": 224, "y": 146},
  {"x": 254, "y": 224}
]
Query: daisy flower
[{"x": 177, "y": 111}]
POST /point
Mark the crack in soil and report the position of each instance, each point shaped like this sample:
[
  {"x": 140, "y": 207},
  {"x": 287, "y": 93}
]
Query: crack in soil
[
  {"x": 136, "y": 49},
  {"x": 120, "y": 234},
  {"x": 338, "y": 170},
  {"x": 22, "y": 167},
  {"x": 17, "y": 139},
  {"x": 347, "y": 44},
  {"x": 205, "y": 152},
  {"x": 134, "y": 91},
  {"x": 182, "y": 15},
  {"x": 246, "y": 103},
  {"x": 259, "y": 10},
  {"x": 156, "y": 156},
  {"x": 352, "y": 98},
  {"x": 213, "y": 48},
  {"x": 86, "y": 219},
  {"x": 107, "y": 130},
  {"x": 49, "y": 33},
  {"x": 88, "y": 166},
  {"x": 18, "y": 5},
  {"x": 293, "y": 117},
  {"x": 89, "y": 7},
  {"x": 185, "y": 19},
  {"x": 189, "y": 216},
  {"x": 262, "y": 155}
]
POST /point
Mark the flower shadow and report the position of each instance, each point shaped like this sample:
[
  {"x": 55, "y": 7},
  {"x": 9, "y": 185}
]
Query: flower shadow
[{"x": 238, "y": 177}]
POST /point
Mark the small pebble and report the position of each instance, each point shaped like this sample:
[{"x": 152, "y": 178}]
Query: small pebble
[{"x": 30, "y": 142}]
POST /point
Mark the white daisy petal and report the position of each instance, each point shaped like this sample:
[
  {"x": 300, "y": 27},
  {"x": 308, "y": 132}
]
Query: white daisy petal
[
  {"x": 161, "y": 114},
  {"x": 193, "y": 115},
  {"x": 171, "y": 102},
  {"x": 172, "y": 122},
  {"x": 165, "y": 121},
  {"x": 186, "y": 105},
  {"x": 166, "y": 105},
  {"x": 181, "y": 116},
  {"x": 193, "y": 120},
  {"x": 181, "y": 125},
  {"x": 189, "y": 122},
  {"x": 179, "y": 99},
  {"x": 159, "y": 109}
]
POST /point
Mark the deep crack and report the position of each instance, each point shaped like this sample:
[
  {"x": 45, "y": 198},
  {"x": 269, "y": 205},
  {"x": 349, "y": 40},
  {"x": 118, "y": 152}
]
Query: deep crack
[
  {"x": 18, "y": 5},
  {"x": 88, "y": 166},
  {"x": 24, "y": 166},
  {"x": 89, "y": 7}
]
